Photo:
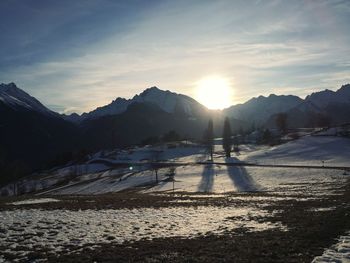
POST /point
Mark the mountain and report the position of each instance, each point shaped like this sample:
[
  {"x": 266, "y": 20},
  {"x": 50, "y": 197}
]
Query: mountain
[
  {"x": 258, "y": 110},
  {"x": 16, "y": 98},
  {"x": 327, "y": 97},
  {"x": 139, "y": 122},
  {"x": 167, "y": 101},
  {"x": 31, "y": 135},
  {"x": 319, "y": 109}
]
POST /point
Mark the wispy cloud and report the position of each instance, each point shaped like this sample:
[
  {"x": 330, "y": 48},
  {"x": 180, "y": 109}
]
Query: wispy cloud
[{"x": 93, "y": 56}]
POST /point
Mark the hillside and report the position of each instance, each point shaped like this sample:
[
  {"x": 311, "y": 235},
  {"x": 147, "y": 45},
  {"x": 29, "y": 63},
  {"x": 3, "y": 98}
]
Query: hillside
[{"x": 32, "y": 136}]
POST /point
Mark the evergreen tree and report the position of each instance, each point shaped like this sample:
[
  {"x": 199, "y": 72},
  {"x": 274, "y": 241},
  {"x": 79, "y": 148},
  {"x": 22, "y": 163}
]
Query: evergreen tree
[
  {"x": 266, "y": 137},
  {"x": 209, "y": 139},
  {"x": 281, "y": 122},
  {"x": 226, "y": 138}
]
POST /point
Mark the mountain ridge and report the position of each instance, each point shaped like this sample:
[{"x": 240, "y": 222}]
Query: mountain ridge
[
  {"x": 13, "y": 97},
  {"x": 33, "y": 135},
  {"x": 165, "y": 99},
  {"x": 256, "y": 110}
]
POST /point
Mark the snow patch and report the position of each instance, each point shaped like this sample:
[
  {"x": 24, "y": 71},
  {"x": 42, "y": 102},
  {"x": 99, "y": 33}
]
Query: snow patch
[
  {"x": 339, "y": 252},
  {"x": 35, "y": 201},
  {"x": 59, "y": 230}
]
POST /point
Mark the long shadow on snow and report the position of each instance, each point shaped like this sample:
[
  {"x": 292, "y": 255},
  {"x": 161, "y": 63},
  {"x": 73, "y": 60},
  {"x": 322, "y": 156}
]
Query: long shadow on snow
[
  {"x": 240, "y": 178},
  {"x": 207, "y": 182}
]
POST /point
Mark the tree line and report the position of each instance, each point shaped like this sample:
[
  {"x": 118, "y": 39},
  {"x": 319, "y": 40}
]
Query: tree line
[{"x": 227, "y": 140}]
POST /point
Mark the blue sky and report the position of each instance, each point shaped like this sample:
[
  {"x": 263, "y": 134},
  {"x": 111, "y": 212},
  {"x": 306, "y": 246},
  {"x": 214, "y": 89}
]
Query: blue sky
[{"x": 77, "y": 55}]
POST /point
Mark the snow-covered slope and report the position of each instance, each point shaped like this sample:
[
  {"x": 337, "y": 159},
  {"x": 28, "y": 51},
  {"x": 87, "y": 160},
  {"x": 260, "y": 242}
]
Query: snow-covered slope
[
  {"x": 16, "y": 98},
  {"x": 100, "y": 175},
  {"x": 166, "y": 100},
  {"x": 308, "y": 150}
]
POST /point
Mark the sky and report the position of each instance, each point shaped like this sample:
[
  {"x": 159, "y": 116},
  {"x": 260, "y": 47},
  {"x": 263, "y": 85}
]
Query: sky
[{"x": 77, "y": 55}]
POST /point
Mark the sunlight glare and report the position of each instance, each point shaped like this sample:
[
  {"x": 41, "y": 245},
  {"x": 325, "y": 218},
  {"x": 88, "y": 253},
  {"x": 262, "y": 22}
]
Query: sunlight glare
[{"x": 214, "y": 92}]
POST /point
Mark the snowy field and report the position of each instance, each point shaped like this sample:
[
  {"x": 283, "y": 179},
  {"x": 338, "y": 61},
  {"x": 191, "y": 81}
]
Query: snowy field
[
  {"x": 244, "y": 194},
  {"x": 58, "y": 230},
  {"x": 101, "y": 174},
  {"x": 309, "y": 150}
]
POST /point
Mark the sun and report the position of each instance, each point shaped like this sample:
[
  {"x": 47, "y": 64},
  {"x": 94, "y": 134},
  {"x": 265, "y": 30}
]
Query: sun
[{"x": 214, "y": 92}]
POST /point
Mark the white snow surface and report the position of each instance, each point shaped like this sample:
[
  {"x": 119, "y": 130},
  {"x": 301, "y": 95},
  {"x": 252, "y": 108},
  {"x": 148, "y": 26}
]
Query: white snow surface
[
  {"x": 56, "y": 230},
  {"x": 312, "y": 150},
  {"x": 221, "y": 178},
  {"x": 98, "y": 175},
  {"x": 339, "y": 252},
  {"x": 35, "y": 201}
]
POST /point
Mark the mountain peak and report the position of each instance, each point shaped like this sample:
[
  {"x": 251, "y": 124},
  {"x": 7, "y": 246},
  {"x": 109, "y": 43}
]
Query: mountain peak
[
  {"x": 151, "y": 90},
  {"x": 344, "y": 92},
  {"x": 11, "y": 88},
  {"x": 258, "y": 109},
  {"x": 345, "y": 86},
  {"x": 326, "y": 97},
  {"x": 6, "y": 87},
  {"x": 165, "y": 100},
  {"x": 16, "y": 98}
]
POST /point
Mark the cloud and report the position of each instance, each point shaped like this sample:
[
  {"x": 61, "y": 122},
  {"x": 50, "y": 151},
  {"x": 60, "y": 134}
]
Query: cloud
[{"x": 93, "y": 56}]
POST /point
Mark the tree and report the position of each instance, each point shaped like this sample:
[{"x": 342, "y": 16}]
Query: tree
[
  {"x": 253, "y": 128},
  {"x": 266, "y": 137},
  {"x": 323, "y": 120},
  {"x": 241, "y": 131},
  {"x": 226, "y": 138},
  {"x": 155, "y": 158},
  {"x": 235, "y": 142},
  {"x": 209, "y": 139},
  {"x": 171, "y": 136},
  {"x": 281, "y": 122},
  {"x": 150, "y": 140}
]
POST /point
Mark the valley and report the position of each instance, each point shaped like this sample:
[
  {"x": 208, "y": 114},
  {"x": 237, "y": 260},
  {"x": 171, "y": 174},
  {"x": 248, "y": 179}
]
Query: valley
[{"x": 109, "y": 211}]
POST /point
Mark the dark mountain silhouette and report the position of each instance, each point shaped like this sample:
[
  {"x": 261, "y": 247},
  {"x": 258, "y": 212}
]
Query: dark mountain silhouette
[
  {"x": 166, "y": 100},
  {"x": 138, "y": 122},
  {"x": 258, "y": 110},
  {"x": 33, "y": 137},
  {"x": 319, "y": 109}
]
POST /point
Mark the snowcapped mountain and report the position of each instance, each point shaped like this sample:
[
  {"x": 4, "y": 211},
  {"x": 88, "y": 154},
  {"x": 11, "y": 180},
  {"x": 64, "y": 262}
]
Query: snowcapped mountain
[
  {"x": 34, "y": 135},
  {"x": 15, "y": 98},
  {"x": 319, "y": 109},
  {"x": 168, "y": 101},
  {"x": 117, "y": 106},
  {"x": 258, "y": 110},
  {"x": 327, "y": 97}
]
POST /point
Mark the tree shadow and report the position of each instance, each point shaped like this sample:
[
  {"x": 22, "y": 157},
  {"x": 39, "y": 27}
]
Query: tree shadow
[
  {"x": 207, "y": 182},
  {"x": 240, "y": 177}
]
